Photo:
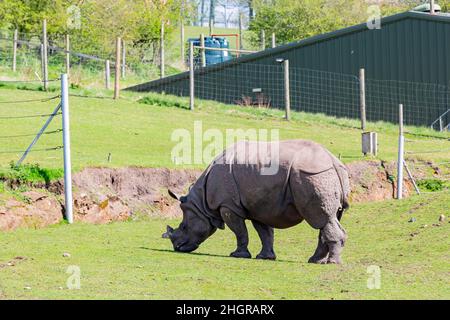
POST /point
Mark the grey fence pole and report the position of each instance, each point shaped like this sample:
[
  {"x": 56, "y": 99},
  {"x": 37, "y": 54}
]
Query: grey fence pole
[
  {"x": 202, "y": 50},
  {"x": 45, "y": 49},
  {"x": 14, "y": 64},
  {"x": 68, "y": 55},
  {"x": 362, "y": 97},
  {"x": 124, "y": 59},
  {"x": 432, "y": 11},
  {"x": 161, "y": 52},
  {"x": 107, "y": 74},
  {"x": 287, "y": 91},
  {"x": 40, "y": 133},
  {"x": 191, "y": 76},
  {"x": 117, "y": 70},
  {"x": 274, "y": 40},
  {"x": 401, "y": 144},
  {"x": 411, "y": 178},
  {"x": 66, "y": 144}
]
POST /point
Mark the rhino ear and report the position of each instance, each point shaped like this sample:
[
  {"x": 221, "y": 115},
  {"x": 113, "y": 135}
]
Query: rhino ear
[{"x": 168, "y": 233}]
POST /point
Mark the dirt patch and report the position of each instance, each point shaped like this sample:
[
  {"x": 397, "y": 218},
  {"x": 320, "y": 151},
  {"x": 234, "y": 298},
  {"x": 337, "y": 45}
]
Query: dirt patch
[
  {"x": 375, "y": 181},
  {"x": 103, "y": 195}
]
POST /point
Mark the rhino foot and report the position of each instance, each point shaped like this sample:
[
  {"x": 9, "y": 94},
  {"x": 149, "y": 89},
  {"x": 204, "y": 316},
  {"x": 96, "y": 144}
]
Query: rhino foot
[
  {"x": 318, "y": 260},
  {"x": 334, "y": 261},
  {"x": 266, "y": 256},
  {"x": 241, "y": 254}
]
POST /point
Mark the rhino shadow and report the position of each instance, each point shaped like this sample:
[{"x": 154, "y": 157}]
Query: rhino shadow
[{"x": 208, "y": 254}]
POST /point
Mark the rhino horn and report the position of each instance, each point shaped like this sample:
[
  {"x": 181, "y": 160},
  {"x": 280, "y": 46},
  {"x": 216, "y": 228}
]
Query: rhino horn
[
  {"x": 168, "y": 233},
  {"x": 176, "y": 196}
]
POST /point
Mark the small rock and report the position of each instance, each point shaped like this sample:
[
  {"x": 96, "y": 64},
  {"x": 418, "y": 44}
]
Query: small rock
[
  {"x": 412, "y": 220},
  {"x": 27, "y": 288},
  {"x": 441, "y": 218},
  {"x": 61, "y": 288},
  {"x": 66, "y": 255},
  {"x": 424, "y": 226}
]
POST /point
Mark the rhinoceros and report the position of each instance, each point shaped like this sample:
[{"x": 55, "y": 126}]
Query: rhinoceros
[{"x": 309, "y": 183}]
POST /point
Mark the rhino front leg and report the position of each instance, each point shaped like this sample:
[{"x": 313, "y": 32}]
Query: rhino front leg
[
  {"x": 237, "y": 225},
  {"x": 266, "y": 235}
]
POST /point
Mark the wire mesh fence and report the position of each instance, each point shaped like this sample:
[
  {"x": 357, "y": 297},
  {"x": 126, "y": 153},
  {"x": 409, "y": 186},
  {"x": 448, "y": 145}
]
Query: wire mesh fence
[
  {"x": 256, "y": 84},
  {"x": 86, "y": 69},
  {"x": 29, "y": 115}
]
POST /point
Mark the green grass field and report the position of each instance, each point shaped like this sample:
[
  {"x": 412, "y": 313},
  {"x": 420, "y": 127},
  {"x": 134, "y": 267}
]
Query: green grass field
[{"x": 130, "y": 260}]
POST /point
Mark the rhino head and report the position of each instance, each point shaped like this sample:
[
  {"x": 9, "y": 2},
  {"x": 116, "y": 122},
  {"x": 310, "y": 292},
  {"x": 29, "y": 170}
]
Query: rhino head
[{"x": 193, "y": 229}]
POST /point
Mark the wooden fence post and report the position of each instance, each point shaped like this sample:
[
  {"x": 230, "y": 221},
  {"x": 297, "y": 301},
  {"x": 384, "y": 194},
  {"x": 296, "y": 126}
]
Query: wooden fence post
[
  {"x": 161, "y": 53},
  {"x": 362, "y": 98},
  {"x": 16, "y": 36},
  {"x": 274, "y": 40},
  {"x": 117, "y": 70},
  {"x": 202, "y": 50},
  {"x": 191, "y": 76},
  {"x": 68, "y": 56},
  {"x": 240, "y": 32},
  {"x": 124, "y": 59},
  {"x": 45, "y": 55},
  {"x": 287, "y": 91},
  {"x": 263, "y": 40},
  {"x": 107, "y": 74},
  {"x": 182, "y": 44}
]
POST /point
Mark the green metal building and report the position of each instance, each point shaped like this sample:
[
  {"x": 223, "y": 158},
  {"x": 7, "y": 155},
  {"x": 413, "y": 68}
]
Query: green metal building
[{"x": 406, "y": 61}]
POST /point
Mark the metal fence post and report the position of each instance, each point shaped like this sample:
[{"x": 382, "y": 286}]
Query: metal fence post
[
  {"x": 274, "y": 40},
  {"x": 16, "y": 36},
  {"x": 191, "y": 75},
  {"x": 66, "y": 143},
  {"x": 287, "y": 91},
  {"x": 401, "y": 142},
  {"x": 362, "y": 97}
]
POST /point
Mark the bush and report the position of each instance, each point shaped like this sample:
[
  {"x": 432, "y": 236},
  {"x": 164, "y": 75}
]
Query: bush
[
  {"x": 30, "y": 173},
  {"x": 431, "y": 185}
]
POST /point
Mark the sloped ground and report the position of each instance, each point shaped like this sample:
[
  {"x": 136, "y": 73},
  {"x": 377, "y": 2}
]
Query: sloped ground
[{"x": 103, "y": 195}]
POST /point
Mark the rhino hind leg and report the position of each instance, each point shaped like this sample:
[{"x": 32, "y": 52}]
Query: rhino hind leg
[
  {"x": 320, "y": 256},
  {"x": 265, "y": 233},
  {"x": 334, "y": 236},
  {"x": 237, "y": 225}
]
